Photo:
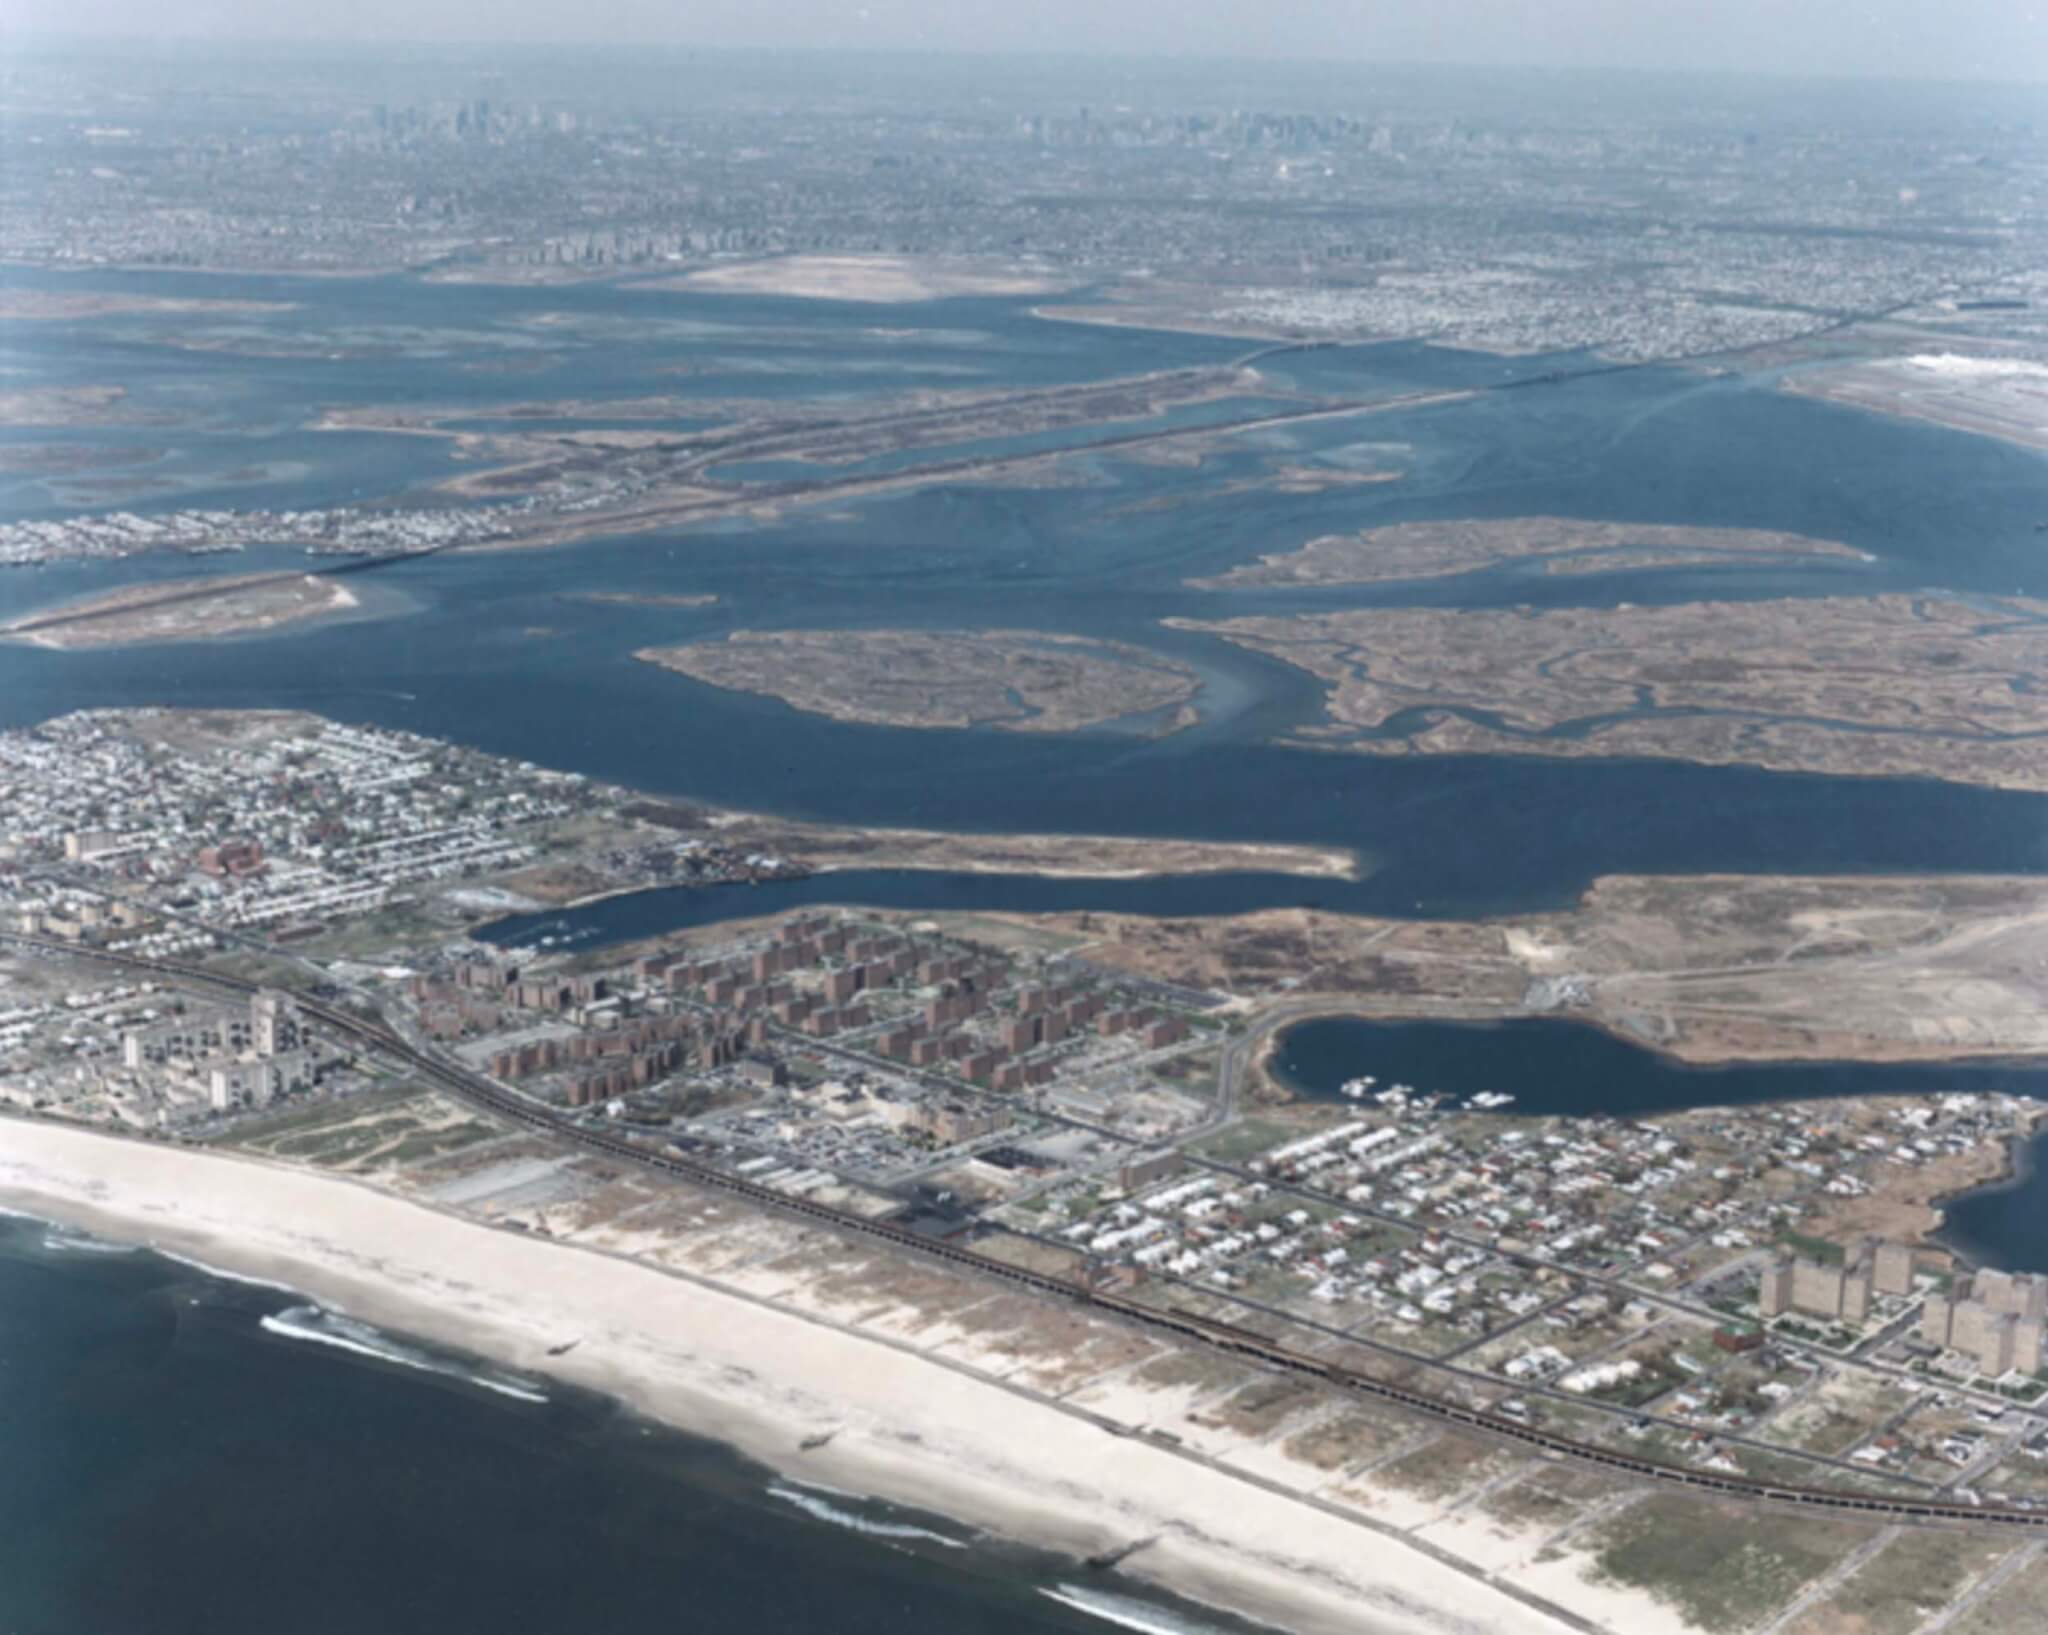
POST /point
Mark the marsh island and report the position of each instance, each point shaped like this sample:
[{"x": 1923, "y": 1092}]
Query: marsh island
[
  {"x": 1436, "y": 549},
  {"x": 1023, "y": 680},
  {"x": 1894, "y": 685}
]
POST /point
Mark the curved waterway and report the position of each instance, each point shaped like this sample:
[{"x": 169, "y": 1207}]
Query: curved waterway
[
  {"x": 252, "y": 1463},
  {"x": 2007, "y": 1224},
  {"x": 1555, "y": 1066},
  {"x": 1552, "y": 1065}
]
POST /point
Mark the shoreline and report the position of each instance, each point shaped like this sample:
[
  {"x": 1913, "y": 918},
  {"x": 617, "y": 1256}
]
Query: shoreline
[
  {"x": 112, "y": 620},
  {"x": 712, "y": 1359},
  {"x": 1337, "y": 1011},
  {"x": 825, "y": 870},
  {"x": 851, "y": 676},
  {"x": 2020, "y": 1167},
  {"x": 1398, "y": 748},
  {"x": 2019, "y": 1161},
  {"x": 1903, "y": 404},
  {"x": 1332, "y": 871}
]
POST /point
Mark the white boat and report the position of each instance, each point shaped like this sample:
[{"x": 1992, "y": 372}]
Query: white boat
[{"x": 1490, "y": 1099}]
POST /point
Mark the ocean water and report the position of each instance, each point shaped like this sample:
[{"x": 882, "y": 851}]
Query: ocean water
[{"x": 189, "y": 1455}]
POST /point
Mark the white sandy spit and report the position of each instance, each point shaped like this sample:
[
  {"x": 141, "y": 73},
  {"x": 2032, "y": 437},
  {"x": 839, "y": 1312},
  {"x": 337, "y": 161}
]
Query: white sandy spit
[
  {"x": 1957, "y": 366},
  {"x": 879, "y": 279}
]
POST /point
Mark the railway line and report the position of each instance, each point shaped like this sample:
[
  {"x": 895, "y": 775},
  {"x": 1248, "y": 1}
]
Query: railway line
[{"x": 1179, "y": 1323}]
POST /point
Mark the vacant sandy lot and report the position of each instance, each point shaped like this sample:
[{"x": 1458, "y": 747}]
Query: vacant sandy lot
[{"x": 877, "y": 278}]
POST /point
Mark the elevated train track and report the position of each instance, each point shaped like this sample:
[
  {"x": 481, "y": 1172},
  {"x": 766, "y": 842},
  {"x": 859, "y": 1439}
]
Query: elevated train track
[{"x": 1217, "y": 1336}]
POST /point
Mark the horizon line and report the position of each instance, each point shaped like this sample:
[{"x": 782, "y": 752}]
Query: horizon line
[{"x": 29, "y": 38}]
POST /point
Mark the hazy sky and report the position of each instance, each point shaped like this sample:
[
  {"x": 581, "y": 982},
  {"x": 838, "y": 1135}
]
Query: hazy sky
[{"x": 1995, "y": 39}]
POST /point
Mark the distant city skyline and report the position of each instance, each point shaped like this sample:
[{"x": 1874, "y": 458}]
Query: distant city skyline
[{"x": 1991, "y": 40}]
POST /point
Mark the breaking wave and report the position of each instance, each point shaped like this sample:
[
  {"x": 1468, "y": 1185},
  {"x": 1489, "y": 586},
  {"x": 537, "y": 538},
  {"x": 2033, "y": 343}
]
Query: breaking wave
[
  {"x": 78, "y": 1243},
  {"x": 225, "y": 1277},
  {"x": 1128, "y": 1611},
  {"x": 346, "y": 1334},
  {"x": 814, "y": 1504}
]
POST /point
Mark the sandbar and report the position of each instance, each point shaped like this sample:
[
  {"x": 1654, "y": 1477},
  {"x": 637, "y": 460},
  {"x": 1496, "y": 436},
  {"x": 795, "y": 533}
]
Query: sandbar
[
  {"x": 69, "y": 459},
  {"x": 1557, "y": 545},
  {"x": 881, "y": 279},
  {"x": 639, "y": 598},
  {"x": 56, "y": 305},
  {"x": 65, "y": 406}
]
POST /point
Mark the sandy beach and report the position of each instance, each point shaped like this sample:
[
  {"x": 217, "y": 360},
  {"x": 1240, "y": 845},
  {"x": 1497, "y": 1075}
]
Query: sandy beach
[{"x": 710, "y": 1356}]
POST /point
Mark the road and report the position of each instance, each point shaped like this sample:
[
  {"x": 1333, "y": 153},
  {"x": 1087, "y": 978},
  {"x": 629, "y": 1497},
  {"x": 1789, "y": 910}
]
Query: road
[{"x": 494, "y": 1099}]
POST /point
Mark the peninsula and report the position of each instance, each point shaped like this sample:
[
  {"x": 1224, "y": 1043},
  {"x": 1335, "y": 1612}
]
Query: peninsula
[
  {"x": 639, "y": 598},
  {"x": 183, "y": 610},
  {"x": 1708, "y": 969},
  {"x": 1901, "y": 686},
  {"x": 142, "y": 788},
  {"x": 54, "y": 407},
  {"x": 66, "y": 305},
  {"x": 1987, "y": 391},
  {"x": 1020, "y": 680}
]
